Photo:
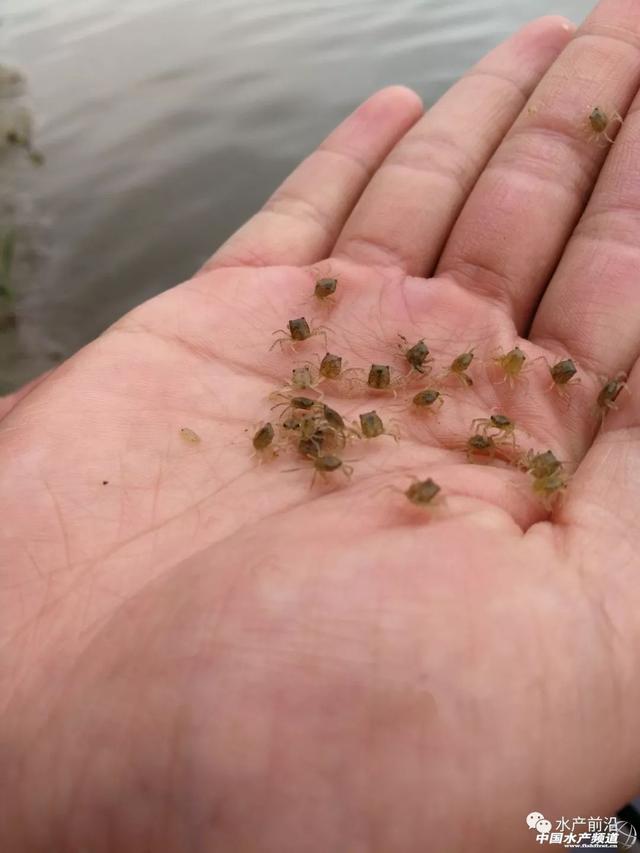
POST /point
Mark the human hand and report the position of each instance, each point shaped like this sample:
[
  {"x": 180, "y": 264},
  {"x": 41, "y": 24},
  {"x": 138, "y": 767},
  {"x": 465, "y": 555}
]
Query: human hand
[{"x": 203, "y": 654}]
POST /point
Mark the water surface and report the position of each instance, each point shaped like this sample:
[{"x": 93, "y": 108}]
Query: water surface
[{"x": 166, "y": 123}]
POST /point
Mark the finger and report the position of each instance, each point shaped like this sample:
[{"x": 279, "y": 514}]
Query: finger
[
  {"x": 603, "y": 496},
  {"x": 516, "y": 223},
  {"x": 408, "y": 209},
  {"x": 299, "y": 224},
  {"x": 591, "y": 309}
]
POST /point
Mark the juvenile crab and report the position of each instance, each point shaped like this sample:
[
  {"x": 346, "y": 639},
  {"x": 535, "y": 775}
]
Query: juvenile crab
[
  {"x": 609, "y": 393},
  {"x": 549, "y": 487},
  {"x": 504, "y": 428},
  {"x": 480, "y": 445},
  {"x": 332, "y": 369},
  {"x": 427, "y": 400},
  {"x": 371, "y": 426},
  {"x": 422, "y": 492},
  {"x": 459, "y": 367},
  {"x": 299, "y": 330},
  {"x": 325, "y": 284},
  {"x": 325, "y": 288},
  {"x": 417, "y": 355},
  {"x": 380, "y": 378},
  {"x": 599, "y": 122},
  {"x": 303, "y": 378},
  {"x": 511, "y": 363},
  {"x": 334, "y": 421},
  {"x": 263, "y": 442},
  {"x": 548, "y": 477},
  {"x": 326, "y": 464},
  {"x": 322, "y": 439},
  {"x": 292, "y": 405},
  {"x": 563, "y": 374},
  {"x": 331, "y": 366},
  {"x": 314, "y": 427},
  {"x": 539, "y": 465}
]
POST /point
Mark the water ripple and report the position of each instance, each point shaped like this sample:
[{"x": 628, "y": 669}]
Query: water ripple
[{"x": 167, "y": 122}]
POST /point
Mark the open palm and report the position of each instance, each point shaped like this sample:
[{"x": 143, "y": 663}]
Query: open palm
[{"x": 201, "y": 653}]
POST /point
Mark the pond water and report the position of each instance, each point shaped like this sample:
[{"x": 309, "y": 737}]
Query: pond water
[{"x": 166, "y": 123}]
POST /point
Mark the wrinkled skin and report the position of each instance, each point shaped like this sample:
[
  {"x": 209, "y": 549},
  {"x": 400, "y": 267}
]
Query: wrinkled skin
[{"x": 204, "y": 654}]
